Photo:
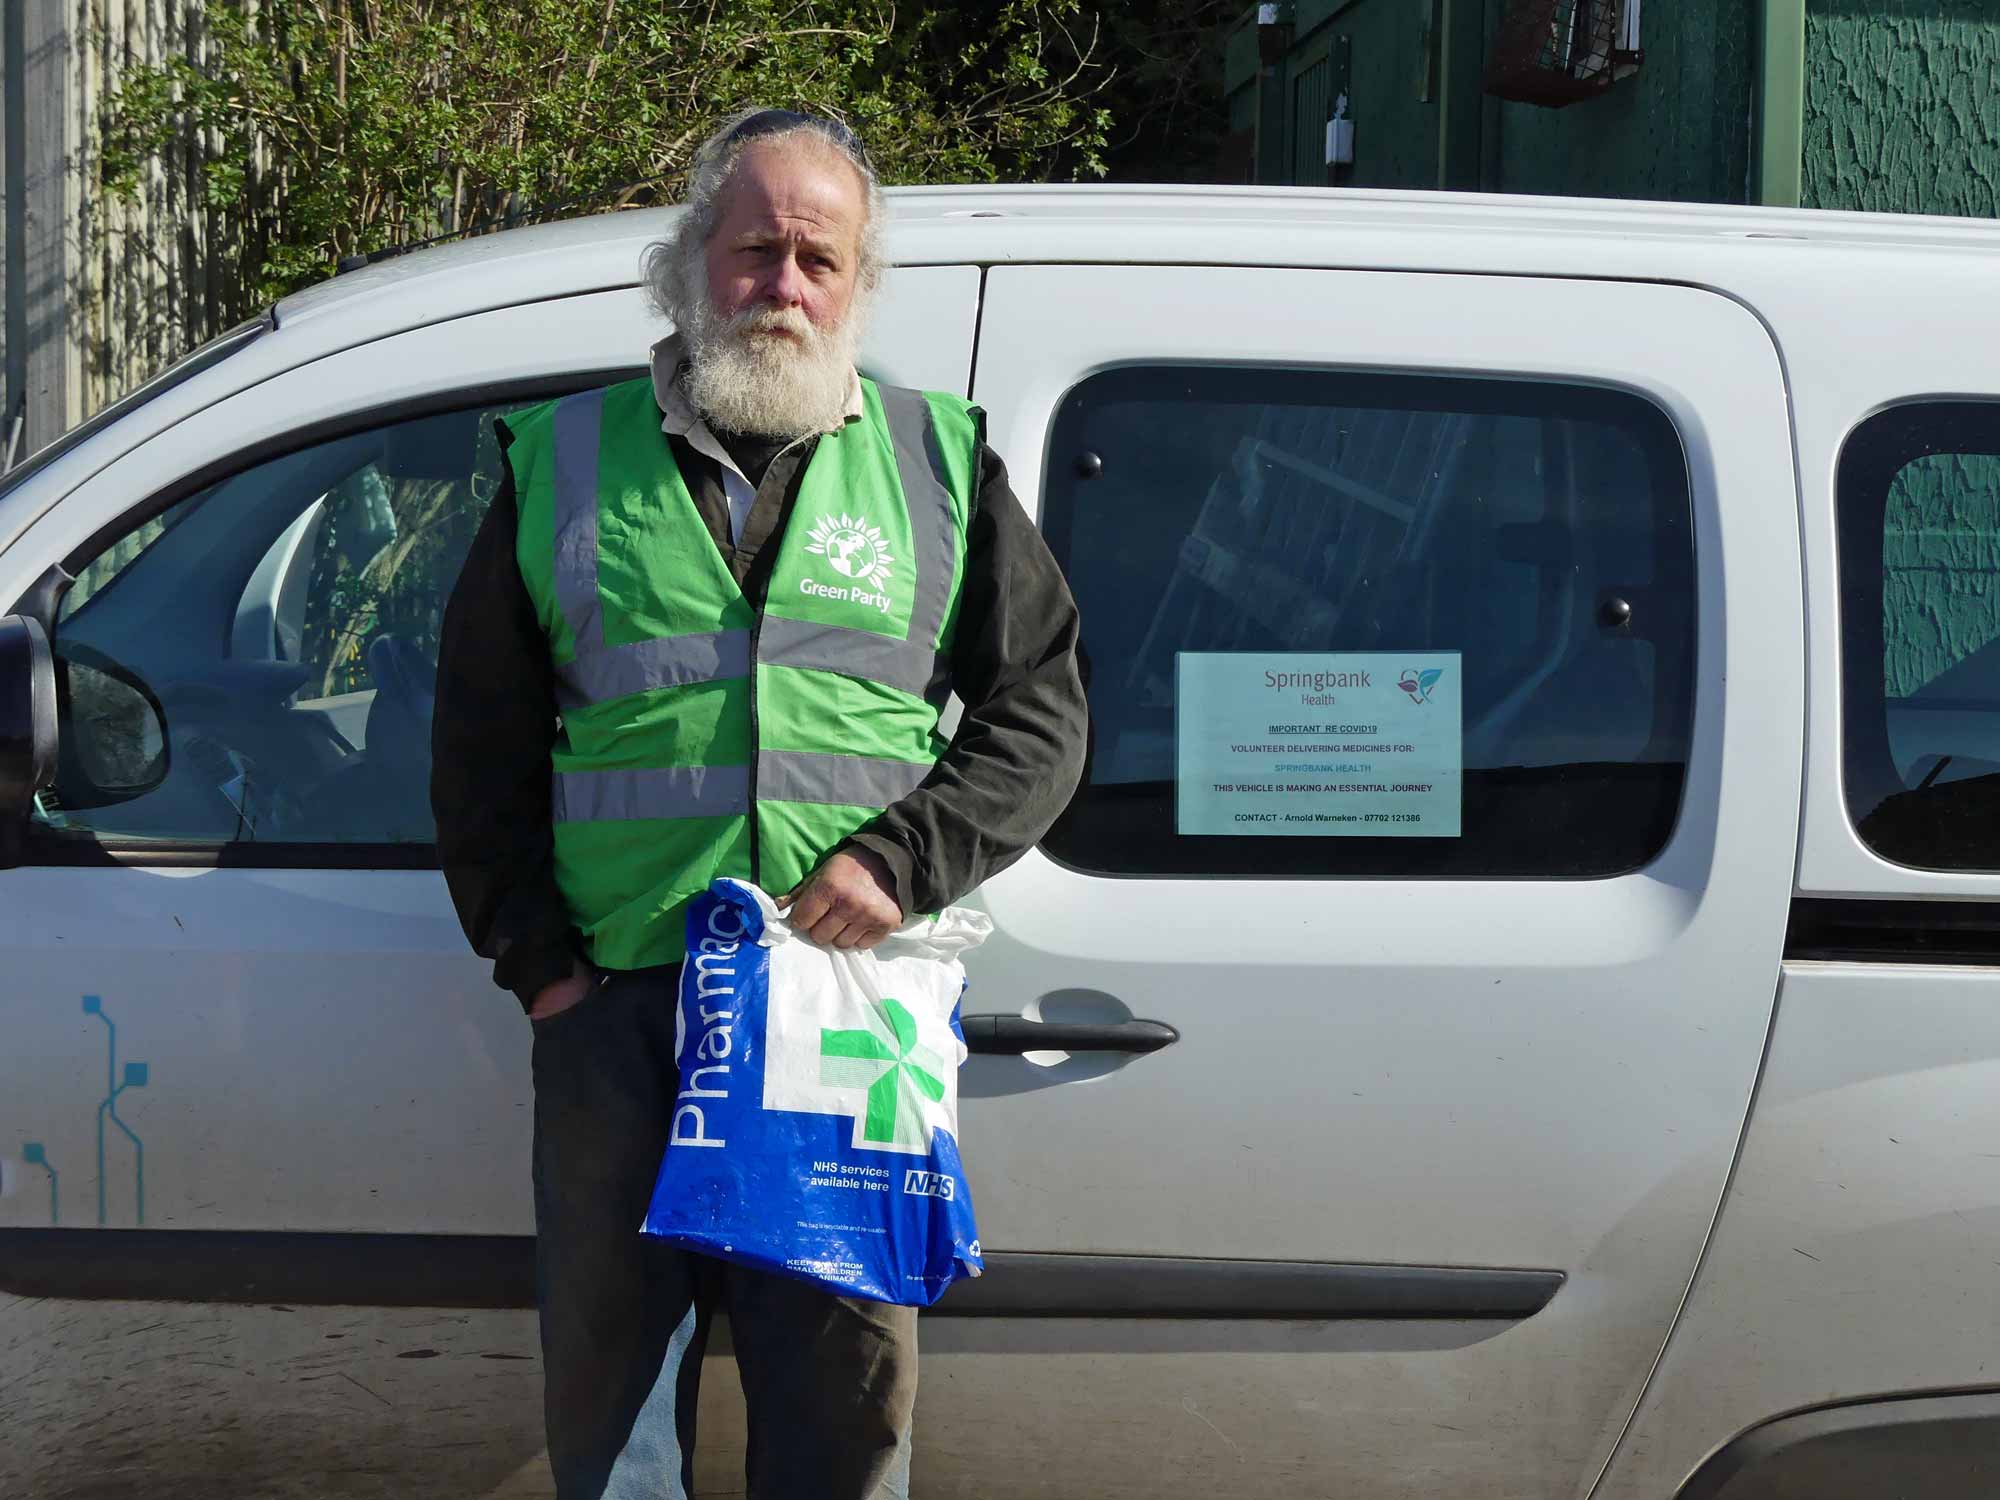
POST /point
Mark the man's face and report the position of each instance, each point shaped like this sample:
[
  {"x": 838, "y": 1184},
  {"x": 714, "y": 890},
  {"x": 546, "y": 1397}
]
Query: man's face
[
  {"x": 788, "y": 239},
  {"x": 775, "y": 307}
]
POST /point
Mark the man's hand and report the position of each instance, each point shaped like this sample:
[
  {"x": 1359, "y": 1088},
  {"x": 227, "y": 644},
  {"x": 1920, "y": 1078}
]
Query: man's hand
[
  {"x": 556, "y": 998},
  {"x": 848, "y": 902}
]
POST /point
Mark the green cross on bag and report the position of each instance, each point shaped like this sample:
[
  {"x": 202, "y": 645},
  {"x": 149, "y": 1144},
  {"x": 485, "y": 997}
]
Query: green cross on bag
[{"x": 889, "y": 1063}]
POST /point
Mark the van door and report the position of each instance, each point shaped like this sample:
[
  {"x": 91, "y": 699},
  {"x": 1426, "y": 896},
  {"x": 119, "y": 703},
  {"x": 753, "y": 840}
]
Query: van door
[
  {"x": 250, "y": 1057},
  {"x": 1444, "y": 645}
]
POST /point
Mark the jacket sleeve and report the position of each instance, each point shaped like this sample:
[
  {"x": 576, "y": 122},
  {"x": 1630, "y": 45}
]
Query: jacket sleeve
[
  {"x": 1014, "y": 761},
  {"x": 494, "y": 725}
]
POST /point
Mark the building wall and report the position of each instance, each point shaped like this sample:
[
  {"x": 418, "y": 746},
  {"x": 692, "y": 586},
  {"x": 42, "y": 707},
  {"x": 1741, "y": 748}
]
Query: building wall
[
  {"x": 1678, "y": 129},
  {"x": 1940, "y": 567},
  {"x": 1903, "y": 106},
  {"x": 1395, "y": 129}
]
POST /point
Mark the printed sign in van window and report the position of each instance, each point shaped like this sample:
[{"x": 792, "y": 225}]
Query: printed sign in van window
[
  {"x": 1318, "y": 743},
  {"x": 1372, "y": 624}
]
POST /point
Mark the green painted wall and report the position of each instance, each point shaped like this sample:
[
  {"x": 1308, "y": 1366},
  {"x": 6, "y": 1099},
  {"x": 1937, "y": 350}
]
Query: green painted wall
[
  {"x": 1677, "y": 129},
  {"x": 1308, "y": 15},
  {"x": 1395, "y": 130},
  {"x": 1940, "y": 567},
  {"x": 1903, "y": 106},
  {"x": 1239, "y": 55}
]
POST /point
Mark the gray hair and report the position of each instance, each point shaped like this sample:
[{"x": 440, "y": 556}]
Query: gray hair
[{"x": 673, "y": 271}]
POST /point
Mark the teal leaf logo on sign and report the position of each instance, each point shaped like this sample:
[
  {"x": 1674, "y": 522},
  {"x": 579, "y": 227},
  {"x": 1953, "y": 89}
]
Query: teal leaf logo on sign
[
  {"x": 1419, "y": 684},
  {"x": 898, "y": 1072}
]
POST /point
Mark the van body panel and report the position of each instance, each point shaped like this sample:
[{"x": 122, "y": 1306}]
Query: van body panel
[
  {"x": 1856, "y": 1255},
  {"x": 1508, "y": 1072},
  {"x": 1860, "y": 330}
]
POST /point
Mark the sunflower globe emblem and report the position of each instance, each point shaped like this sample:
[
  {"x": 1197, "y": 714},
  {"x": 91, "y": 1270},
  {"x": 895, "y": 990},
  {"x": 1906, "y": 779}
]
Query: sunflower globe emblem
[{"x": 856, "y": 549}]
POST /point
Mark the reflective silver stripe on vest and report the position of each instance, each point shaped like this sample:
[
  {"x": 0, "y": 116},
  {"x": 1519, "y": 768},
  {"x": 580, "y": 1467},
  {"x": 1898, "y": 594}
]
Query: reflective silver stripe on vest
[
  {"x": 602, "y": 672},
  {"x": 627, "y": 796},
  {"x": 670, "y": 661},
  {"x": 579, "y": 420},
  {"x": 724, "y": 791},
  {"x": 841, "y": 780},
  {"x": 934, "y": 535},
  {"x": 907, "y": 665}
]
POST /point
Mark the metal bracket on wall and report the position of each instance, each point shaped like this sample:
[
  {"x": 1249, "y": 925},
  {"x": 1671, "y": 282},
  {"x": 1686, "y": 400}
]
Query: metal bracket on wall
[
  {"x": 1340, "y": 81},
  {"x": 1274, "y": 33}
]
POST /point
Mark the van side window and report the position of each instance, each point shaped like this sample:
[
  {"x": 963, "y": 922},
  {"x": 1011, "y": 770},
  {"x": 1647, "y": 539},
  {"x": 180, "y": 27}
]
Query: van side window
[
  {"x": 283, "y": 621},
  {"x": 1919, "y": 532},
  {"x": 1513, "y": 558}
]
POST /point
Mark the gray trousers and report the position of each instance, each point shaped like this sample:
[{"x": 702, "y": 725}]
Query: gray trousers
[{"x": 829, "y": 1382}]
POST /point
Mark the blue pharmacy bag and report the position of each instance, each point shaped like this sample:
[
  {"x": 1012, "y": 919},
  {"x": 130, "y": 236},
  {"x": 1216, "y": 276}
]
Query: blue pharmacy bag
[{"x": 815, "y": 1124}]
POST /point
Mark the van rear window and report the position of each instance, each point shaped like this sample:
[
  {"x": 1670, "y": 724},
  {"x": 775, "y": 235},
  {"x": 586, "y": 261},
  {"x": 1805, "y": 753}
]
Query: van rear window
[
  {"x": 1919, "y": 531},
  {"x": 1373, "y": 625}
]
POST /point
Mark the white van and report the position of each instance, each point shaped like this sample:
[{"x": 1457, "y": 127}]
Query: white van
[{"x": 1616, "y": 1114}]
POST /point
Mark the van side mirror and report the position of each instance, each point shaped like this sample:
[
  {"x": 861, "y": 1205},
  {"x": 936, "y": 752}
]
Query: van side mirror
[
  {"x": 27, "y": 719},
  {"x": 116, "y": 745}
]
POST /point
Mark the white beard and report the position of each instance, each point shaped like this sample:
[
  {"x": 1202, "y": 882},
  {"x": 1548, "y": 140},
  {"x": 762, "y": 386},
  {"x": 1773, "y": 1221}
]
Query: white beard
[{"x": 743, "y": 378}]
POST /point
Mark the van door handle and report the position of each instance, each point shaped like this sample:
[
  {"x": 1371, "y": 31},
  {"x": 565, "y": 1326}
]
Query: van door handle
[{"x": 1009, "y": 1036}]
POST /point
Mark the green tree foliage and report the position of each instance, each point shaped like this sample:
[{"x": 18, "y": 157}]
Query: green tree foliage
[{"x": 335, "y": 127}]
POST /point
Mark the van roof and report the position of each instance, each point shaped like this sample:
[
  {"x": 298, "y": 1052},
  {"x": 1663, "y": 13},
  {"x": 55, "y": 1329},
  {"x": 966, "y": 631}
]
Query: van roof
[{"x": 1228, "y": 225}]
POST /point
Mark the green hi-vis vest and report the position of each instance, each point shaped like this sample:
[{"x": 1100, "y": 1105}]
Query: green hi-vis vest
[{"x": 702, "y": 736}]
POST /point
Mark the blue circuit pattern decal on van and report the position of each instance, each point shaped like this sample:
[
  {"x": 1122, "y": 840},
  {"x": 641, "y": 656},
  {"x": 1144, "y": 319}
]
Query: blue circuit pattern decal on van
[
  {"x": 35, "y": 1154},
  {"x": 135, "y": 1077}
]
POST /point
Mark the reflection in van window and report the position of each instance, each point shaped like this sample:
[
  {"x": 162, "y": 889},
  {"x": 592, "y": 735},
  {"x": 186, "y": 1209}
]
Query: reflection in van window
[
  {"x": 1540, "y": 531},
  {"x": 1919, "y": 495},
  {"x": 285, "y": 620}
]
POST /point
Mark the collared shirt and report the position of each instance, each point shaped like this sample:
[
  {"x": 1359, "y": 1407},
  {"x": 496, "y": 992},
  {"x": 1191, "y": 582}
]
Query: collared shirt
[
  {"x": 680, "y": 419},
  {"x": 1012, "y": 763}
]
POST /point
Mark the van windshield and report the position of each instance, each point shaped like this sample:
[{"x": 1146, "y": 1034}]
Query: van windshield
[{"x": 185, "y": 368}]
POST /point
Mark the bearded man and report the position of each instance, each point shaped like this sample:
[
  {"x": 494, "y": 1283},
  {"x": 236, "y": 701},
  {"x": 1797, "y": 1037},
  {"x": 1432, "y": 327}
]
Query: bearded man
[{"x": 707, "y": 629}]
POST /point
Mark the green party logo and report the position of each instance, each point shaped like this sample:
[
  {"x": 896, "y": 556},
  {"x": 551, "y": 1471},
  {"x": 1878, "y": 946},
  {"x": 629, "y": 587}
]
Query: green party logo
[
  {"x": 898, "y": 1072},
  {"x": 856, "y": 549}
]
